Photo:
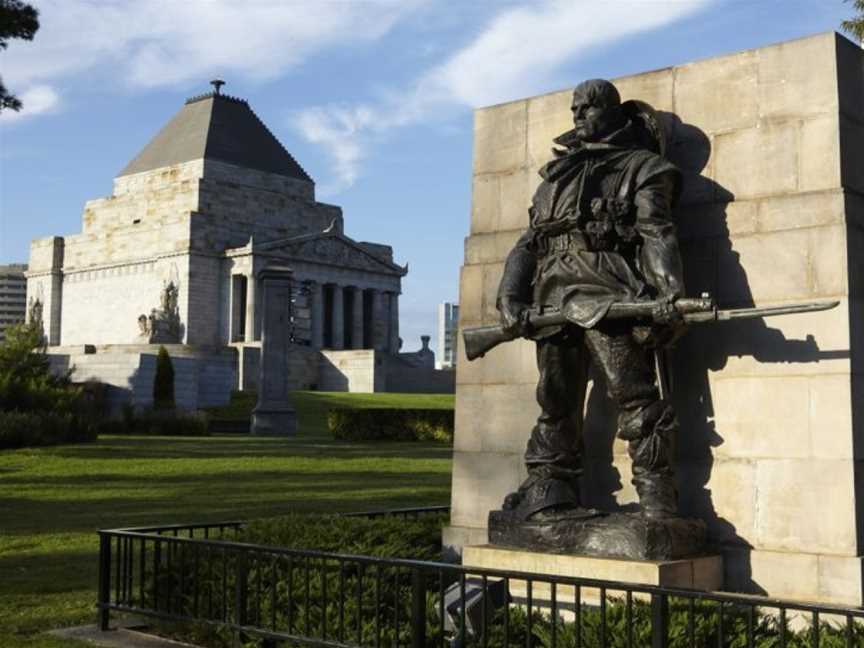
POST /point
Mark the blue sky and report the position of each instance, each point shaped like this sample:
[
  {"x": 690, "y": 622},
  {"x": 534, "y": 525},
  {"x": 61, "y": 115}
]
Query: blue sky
[{"x": 373, "y": 97}]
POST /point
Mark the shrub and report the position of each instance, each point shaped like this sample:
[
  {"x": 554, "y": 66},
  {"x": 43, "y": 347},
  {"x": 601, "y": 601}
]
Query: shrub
[
  {"x": 163, "y": 381},
  {"x": 27, "y": 429},
  {"x": 391, "y": 424},
  {"x": 157, "y": 423},
  {"x": 26, "y": 381}
]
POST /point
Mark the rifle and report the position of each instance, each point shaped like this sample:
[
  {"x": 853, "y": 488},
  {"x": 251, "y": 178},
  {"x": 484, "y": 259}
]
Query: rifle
[{"x": 480, "y": 340}]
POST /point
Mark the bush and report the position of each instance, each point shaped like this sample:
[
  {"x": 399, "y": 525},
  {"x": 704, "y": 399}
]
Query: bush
[
  {"x": 163, "y": 381},
  {"x": 157, "y": 423},
  {"x": 385, "y": 536},
  {"x": 391, "y": 424},
  {"x": 27, "y": 429},
  {"x": 26, "y": 381}
]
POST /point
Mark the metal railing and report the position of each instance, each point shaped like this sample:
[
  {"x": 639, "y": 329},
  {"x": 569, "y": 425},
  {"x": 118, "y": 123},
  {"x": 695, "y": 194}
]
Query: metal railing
[{"x": 202, "y": 574}]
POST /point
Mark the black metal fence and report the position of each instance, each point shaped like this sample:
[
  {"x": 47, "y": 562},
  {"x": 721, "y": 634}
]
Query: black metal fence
[{"x": 202, "y": 574}]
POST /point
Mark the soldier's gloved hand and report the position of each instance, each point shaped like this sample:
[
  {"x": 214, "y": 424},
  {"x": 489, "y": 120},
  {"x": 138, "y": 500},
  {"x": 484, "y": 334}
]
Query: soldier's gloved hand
[
  {"x": 669, "y": 324},
  {"x": 514, "y": 317}
]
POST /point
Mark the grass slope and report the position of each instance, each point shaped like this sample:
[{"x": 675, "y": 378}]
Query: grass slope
[{"x": 52, "y": 500}]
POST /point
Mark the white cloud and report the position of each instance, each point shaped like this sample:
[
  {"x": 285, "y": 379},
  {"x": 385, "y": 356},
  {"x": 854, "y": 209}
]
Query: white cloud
[
  {"x": 518, "y": 54},
  {"x": 36, "y": 100},
  {"x": 149, "y": 43}
]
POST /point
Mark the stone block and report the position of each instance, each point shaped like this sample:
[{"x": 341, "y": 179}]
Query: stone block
[
  {"x": 495, "y": 418},
  {"x": 806, "y": 505},
  {"x": 500, "y": 134},
  {"x": 840, "y": 579},
  {"x": 819, "y": 154},
  {"x": 719, "y": 94},
  {"x": 548, "y": 116},
  {"x": 798, "y": 77},
  {"x": 690, "y": 573},
  {"x": 795, "y": 211},
  {"x": 760, "y": 161},
  {"x": 762, "y": 268},
  {"x": 481, "y": 480},
  {"x": 831, "y": 427},
  {"x": 741, "y": 421},
  {"x": 509, "y": 363},
  {"x": 455, "y": 537},
  {"x": 655, "y": 88},
  {"x": 786, "y": 575},
  {"x": 470, "y": 295},
  {"x": 490, "y": 248},
  {"x": 491, "y": 280},
  {"x": 722, "y": 493}
]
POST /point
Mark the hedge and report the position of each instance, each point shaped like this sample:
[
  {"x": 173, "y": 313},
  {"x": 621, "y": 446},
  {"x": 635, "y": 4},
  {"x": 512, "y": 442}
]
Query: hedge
[
  {"x": 388, "y": 590},
  {"x": 391, "y": 424},
  {"x": 157, "y": 423},
  {"x": 28, "y": 429}
]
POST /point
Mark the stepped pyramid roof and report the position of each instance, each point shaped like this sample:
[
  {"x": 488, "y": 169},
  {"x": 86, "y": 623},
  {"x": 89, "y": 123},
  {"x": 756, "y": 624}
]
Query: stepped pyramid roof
[{"x": 217, "y": 127}]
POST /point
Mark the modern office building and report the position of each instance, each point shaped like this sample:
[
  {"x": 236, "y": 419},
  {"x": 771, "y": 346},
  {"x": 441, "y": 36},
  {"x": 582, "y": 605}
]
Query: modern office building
[
  {"x": 13, "y": 296},
  {"x": 448, "y": 324}
]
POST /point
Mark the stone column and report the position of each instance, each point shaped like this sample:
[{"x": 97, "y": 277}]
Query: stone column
[
  {"x": 273, "y": 413},
  {"x": 316, "y": 306},
  {"x": 357, "y": 319},
  {"x": 379, "y": 321},
  {"x": 393, "y": 329},
  {"x": 337, "y": 320},
  {"x": 249, "y": 333}
]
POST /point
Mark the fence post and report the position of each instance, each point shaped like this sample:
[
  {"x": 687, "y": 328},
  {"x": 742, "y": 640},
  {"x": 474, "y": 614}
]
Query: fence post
[
  {"x": 659, "y": 621},
  {"x": 240, "y": 587},
  {"x": 104, "y": 580},
  {"x": 418, "y": 609}
]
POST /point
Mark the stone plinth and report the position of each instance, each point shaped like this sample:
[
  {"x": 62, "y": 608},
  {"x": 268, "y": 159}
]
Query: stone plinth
[
  {"x": 703, "y": 573},
  {"x": 274, "y": 414},
  {"x": 771, "y": 446}
]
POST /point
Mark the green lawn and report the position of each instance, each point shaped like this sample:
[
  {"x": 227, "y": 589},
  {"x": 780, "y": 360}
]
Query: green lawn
[{"x": 52, "y": 500}]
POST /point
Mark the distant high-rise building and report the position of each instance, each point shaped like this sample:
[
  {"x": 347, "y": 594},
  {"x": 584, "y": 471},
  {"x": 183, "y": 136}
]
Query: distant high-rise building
[
  {"x": 13, "y": 296},
  {"x": 448, "y": 323}
]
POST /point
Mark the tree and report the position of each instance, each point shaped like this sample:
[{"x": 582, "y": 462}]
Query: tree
[
  {"x": 163, "y": 381},
  {"x": 26, "y": 380},
  {"x": 855, "y": 26},
  {"x": 17, "y": 20}
]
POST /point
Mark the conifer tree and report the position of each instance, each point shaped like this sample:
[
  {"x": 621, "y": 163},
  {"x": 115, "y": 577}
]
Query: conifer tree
[{"x": 163, "y": 381}]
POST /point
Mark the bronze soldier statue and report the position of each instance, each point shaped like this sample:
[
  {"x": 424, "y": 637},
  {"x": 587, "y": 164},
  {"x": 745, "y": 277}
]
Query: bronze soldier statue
[{"x": 601, "y": 232}]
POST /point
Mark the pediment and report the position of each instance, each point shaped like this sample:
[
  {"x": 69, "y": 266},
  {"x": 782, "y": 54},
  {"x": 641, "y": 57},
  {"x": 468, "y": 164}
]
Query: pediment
[{"x": 330, "y": 249}]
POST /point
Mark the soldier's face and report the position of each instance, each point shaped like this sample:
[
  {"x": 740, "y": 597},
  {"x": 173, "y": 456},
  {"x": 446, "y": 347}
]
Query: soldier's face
[{"x": 592, "y": 123}]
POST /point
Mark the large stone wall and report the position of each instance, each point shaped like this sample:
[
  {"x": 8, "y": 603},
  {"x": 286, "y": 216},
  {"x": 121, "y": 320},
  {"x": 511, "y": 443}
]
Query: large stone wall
[{"x": 772, "y": 145}]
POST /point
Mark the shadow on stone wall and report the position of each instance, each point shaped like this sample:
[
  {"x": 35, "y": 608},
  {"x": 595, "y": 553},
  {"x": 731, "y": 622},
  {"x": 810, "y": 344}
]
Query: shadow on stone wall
[{"x": 711, "y": 265}]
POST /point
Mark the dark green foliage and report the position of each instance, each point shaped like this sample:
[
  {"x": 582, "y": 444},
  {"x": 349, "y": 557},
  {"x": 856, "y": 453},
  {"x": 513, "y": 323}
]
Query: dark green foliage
[
  {"x": 855, "y": 26},
  {"x": 156, "y": 423},
  {"x": 26, "y": 382},
  {"x": 391, "y": 424},
  {"x": 163, "y": 381},
  {"x": 387, "y": 536},
  {"x": 277, "y": 592},
  {"x": 28, "y": 429},
  {"x": 17, "y": 20}
]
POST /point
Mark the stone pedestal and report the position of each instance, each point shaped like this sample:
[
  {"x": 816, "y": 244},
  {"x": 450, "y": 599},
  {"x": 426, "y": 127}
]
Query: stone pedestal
[
  {"x": 273, "y": 414},
  {"x": 702, "y": 573}
]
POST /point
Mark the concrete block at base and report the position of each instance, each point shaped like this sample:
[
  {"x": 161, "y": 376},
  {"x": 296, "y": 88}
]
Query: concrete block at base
[
  {"x": 704, "y": 573},
  {"x": 281, "y": 422}
]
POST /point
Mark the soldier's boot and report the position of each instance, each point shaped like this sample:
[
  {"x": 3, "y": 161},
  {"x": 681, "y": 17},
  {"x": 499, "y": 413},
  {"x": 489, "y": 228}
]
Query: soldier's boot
[
  {"x": 649, "y": 428},
  {"x": 658, "y": 496},
  {"x": 548, "y": 492}
]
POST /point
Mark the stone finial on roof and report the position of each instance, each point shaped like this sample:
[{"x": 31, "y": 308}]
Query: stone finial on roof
[{"x": 217, "y": 85}]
